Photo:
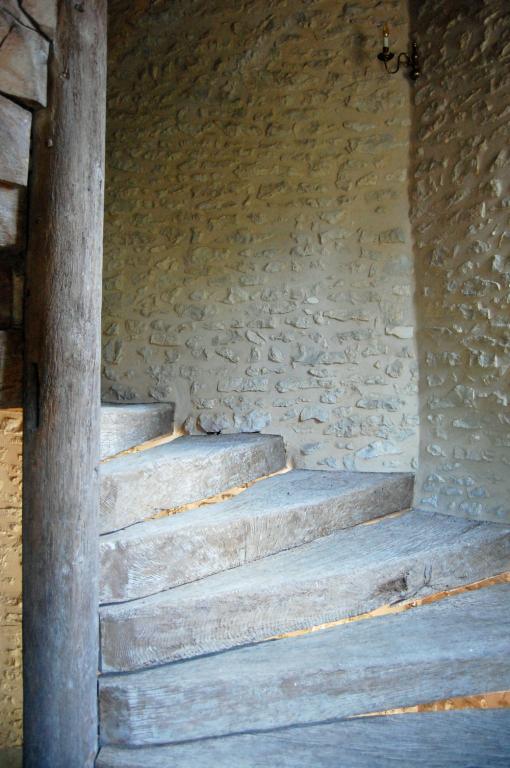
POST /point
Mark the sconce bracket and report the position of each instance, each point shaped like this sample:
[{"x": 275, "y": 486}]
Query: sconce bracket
[
  {"x": 410, "y": 61},
  {"x": 385, "y": 56}
]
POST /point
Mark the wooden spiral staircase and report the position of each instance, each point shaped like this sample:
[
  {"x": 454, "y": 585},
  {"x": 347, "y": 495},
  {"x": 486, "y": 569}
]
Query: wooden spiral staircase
[{"x": 254, "y": 615}]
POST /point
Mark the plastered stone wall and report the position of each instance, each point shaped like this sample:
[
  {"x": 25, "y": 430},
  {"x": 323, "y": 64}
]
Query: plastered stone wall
[
  {"x": 10, "y": 579},
  {"x": 258, "y": 263},
  {"x": 460, "y": 212}
]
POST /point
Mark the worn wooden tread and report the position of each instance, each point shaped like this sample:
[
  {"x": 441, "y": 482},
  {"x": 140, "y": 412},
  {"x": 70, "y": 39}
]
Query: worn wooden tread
[
  {"x": 459, "y": 739},
  {"x": 275, "y": 514},
  {"x": 125, "y": 426},
  {"x": 453, "y": 647},
  {"x": 138, "y": 485},
  {"x": 341, "y": 575}
]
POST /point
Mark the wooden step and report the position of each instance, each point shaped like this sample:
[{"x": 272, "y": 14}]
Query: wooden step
[
  {"x": 275, "y": 514},
  {"x": 138, "y": 485},
  {"x": 341, "y": 575},
  {"x": 125, "y": 426},
  {"x": 454, "y": 647},
  {"x": 479, "y": 738}
]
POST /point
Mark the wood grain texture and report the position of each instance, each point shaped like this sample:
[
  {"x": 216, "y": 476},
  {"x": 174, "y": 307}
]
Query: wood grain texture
[
  {"x": 23, "y": 56},
  {"x": 11, "y": 217},
  {"x": 11, "y": 368},
  {"x": 275, "y": 514},
  {"x": 62, "y": 399},
  {"x": 124, "y": 426},
  {"x": 44, "y": 13},
  {"x": 136, "y": 486},
  {"x": 450, "y": 648},
  {"x": 15, "y": 123},
  {"x": 479, "y": 739},
  {"x": 341, "y": 575}
]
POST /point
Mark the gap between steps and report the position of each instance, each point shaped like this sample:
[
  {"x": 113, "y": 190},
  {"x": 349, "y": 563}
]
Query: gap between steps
[
  {"x": 491, "y": 700},
  {"x": 229, "y": 493},
  {"x": 147, "y": 445},
  {"x": 389, "y": 516},
  {"x": 398, "y": 607}
]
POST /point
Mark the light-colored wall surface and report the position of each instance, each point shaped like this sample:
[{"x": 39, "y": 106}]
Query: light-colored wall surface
[
  {"x": 461, "y": 204},
  {"x": 10, "y": 579},
  {"x": 258, "y": 266}
]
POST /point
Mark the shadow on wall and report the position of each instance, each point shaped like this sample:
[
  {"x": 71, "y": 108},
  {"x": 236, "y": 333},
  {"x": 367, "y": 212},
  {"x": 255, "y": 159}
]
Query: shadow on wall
[
  {"x": 11, "y": 758},
  {"x": 460, "y": 200},
  {"x": 258, "y": 267}
]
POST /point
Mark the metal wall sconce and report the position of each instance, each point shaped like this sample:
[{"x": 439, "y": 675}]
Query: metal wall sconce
[{"x": 411, "y": 61}]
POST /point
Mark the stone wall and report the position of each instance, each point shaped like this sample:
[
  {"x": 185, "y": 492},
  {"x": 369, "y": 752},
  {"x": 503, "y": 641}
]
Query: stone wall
[
  {"x": 460, "y": 212},
  {"x": 258, "y": 267},
  {"x": 10, "y": 579}
]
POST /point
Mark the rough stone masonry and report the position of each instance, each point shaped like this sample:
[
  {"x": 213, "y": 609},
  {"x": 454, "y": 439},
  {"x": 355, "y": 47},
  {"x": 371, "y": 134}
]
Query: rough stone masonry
[
  {"x": 258, "y": 257},
  {"x": 460, "y": 213}
]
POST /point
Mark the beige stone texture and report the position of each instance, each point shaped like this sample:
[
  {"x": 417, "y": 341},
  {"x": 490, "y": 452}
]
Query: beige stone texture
[
  {"x": 10, "y": 578},
  {"x": 460, "y": 213},
  {"x": 258, "y": 261}
]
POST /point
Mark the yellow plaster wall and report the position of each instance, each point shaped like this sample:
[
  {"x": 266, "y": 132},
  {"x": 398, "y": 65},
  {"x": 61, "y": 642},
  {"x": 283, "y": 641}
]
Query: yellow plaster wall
[{"x": 10, "y": 579}]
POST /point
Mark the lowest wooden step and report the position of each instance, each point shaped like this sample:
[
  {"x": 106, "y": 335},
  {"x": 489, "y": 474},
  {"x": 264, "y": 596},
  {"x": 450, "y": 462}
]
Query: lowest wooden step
[
  {"x": 454, "y": 647},
  {"x": 450, "y": 739}
]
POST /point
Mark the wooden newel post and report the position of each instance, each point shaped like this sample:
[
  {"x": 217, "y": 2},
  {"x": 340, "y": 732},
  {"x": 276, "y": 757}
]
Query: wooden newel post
[{"x": 62, "y": 398}]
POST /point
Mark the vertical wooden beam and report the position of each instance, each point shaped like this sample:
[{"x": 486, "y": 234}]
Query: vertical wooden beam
[{"x": 62, "y": 398}]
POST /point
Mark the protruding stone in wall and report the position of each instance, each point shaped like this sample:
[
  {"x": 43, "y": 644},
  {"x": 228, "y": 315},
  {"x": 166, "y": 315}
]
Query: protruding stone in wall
[
  {"x": 15, "y": 125},
  {"x": 23, "y": 57}
]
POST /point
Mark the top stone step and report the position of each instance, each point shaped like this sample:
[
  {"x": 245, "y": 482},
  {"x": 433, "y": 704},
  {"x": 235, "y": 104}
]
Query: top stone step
[
  {"x": 136, "y": 486},
  {"x": 124, "y": 426}
]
